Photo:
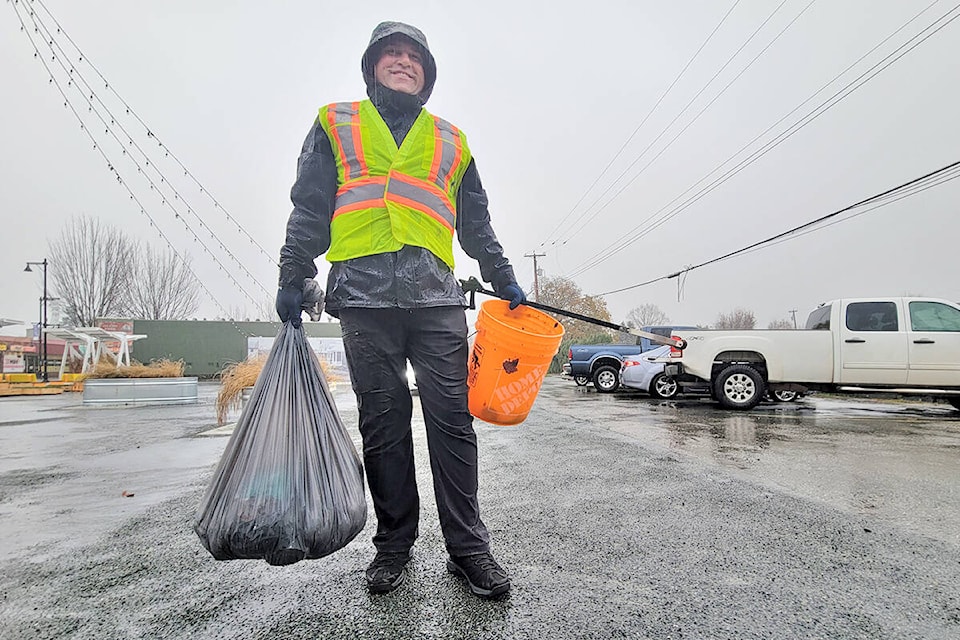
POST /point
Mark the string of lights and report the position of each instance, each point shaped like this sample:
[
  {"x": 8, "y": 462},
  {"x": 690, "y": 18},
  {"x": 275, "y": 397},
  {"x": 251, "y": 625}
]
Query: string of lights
[
  {"x": 167, "y": 151},
  {"x": 90, "y": 98},
  {"x": 97, "y": 147}
]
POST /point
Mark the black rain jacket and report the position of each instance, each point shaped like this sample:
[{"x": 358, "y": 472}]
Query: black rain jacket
[{"x": 410, "y": 278}]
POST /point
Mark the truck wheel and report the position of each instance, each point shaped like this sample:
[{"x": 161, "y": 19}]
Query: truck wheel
[
  {"x": 606, "y": 379},
  {"x": 664, "y": 387},
  {"x": 739, "y": 386},
  {"x": 581, "y": 380}
]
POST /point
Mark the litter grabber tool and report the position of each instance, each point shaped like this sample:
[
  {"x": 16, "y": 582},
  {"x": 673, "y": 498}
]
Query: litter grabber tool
[{"x": 472, "y": 286}]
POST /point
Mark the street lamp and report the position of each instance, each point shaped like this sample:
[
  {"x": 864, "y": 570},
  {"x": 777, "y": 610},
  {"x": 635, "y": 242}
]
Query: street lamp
[{"x": 43, "y": 319}]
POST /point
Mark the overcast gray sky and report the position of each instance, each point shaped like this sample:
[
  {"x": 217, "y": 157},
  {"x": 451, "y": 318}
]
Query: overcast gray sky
[{"x": 547, "y": 92}]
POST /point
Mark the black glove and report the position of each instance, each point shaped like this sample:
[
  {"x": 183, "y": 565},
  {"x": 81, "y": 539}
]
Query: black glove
[
  {"x": 513, "y": 293},
  {"x": 290, "y": 304}
]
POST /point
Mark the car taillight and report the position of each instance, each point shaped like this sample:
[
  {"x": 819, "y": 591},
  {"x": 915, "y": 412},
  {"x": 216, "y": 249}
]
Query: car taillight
[
  {"x": 569, "y": 354},
  {"x": 674, "y": 352},
  {"x": 630, "y": 363}
]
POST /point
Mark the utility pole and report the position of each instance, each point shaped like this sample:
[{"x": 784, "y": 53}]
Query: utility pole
[
  {"x": 536, "y": 274},
  {"x": 793, "y": 312}
]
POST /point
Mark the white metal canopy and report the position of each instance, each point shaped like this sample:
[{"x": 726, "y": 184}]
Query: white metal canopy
[{"x": 93, "y": 339}]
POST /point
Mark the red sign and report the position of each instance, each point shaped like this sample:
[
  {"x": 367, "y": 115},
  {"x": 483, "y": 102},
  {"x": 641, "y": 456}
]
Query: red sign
[{"x": 115, "y": 326}]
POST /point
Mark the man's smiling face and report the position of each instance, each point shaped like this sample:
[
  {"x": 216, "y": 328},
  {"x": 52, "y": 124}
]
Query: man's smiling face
[{"x": 400, "y": 67}]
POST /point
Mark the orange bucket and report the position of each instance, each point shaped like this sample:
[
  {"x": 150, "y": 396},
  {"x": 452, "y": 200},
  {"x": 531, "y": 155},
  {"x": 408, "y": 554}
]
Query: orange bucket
[{"x": 510, "y": 356}]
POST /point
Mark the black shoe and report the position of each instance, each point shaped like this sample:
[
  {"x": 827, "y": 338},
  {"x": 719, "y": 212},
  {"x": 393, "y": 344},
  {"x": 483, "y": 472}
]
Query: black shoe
[
  {"x": 486, "y": 578},
  {"x": 387, "y": 571}
]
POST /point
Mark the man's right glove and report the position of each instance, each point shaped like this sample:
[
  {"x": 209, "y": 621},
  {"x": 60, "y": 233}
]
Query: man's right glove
[
  {"x": 514, "y": 294},
  {"x": 290, "y": 304}
]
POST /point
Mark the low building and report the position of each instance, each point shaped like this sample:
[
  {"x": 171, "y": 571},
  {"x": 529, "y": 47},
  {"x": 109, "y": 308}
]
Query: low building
[
  {"x": 208, "y": 346},
  {"x": 22, "y": 354}
]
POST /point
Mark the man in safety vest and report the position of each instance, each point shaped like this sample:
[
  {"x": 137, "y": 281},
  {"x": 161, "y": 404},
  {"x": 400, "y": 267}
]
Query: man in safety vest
[{"x": 382, "y": 188}]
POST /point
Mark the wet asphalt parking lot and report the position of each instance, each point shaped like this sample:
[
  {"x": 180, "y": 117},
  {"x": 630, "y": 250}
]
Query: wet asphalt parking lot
[{"x": 617, "y": 516}]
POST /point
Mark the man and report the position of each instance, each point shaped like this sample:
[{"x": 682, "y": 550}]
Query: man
[{"x": 382, "y": 188}]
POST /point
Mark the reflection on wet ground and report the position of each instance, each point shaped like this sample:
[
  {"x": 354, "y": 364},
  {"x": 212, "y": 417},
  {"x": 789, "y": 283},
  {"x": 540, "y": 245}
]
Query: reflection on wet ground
[{"x": 890, "y": 459}]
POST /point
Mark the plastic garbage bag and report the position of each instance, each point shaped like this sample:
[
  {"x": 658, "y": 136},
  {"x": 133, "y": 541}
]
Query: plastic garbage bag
[{"x": 289, "y": 485}]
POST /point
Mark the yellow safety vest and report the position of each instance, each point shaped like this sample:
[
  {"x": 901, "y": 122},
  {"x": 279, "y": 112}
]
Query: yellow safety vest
[{"x": 389, "y": 197}]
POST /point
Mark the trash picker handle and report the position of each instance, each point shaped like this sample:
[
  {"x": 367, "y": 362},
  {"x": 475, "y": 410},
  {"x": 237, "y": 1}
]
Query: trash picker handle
[{"x": 473, "y": 286}]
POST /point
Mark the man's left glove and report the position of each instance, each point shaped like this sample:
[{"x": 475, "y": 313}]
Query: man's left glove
[{"x": 513, "y": 293}]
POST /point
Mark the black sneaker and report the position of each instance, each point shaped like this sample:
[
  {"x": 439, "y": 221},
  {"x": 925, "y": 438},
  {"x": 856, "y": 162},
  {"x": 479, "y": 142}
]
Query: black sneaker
[
  {"x": 486, "y": 578},
  {"x": 387, "y": 571}
]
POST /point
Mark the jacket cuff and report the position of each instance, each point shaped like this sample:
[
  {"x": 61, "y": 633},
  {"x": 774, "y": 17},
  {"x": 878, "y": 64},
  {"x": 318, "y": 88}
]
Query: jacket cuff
[
  {"x": 290, "y": 277},
  {"x": 502, "y": 278}
]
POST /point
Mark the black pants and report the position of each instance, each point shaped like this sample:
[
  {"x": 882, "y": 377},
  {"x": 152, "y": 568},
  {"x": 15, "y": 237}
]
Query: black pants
[{"x": 378, "y": 343}]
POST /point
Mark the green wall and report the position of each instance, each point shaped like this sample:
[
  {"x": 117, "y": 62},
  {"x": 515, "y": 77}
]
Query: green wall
[{"x": 207, "y": 346}]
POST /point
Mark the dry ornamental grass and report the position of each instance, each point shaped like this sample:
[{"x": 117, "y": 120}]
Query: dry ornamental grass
[
  {"x": 241, "y": 375},
  {"x": 156, "y": 369},
  {"x": 233, "y": 380}
]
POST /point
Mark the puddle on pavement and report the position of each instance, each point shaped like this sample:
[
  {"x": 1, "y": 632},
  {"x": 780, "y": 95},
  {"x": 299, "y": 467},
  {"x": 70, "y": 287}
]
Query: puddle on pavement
[{"x": 895, "y": 463}]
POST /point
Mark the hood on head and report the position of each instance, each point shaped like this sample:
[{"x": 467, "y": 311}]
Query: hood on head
[{"x": 372, "y": 55}]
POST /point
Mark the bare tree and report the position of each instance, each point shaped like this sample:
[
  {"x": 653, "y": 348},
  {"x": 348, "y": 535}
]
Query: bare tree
[
  {"x": 782, "y": 323},
  {"x": 564, "y": 293},
  {"x": 92, "y": 265},
  {"x": 267, "y": 309},
  {"x": 163, "y": 288},
  {"x": 646, "y": 315},
  {"x": 739, "y": 318},
  {"x": 237, "y": 311}
]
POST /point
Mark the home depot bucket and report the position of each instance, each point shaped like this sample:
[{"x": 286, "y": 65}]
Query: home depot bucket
[{"x": 511, "y": 354}]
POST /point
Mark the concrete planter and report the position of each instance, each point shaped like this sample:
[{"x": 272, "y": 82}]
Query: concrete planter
[{"x": 139, "y": 391}]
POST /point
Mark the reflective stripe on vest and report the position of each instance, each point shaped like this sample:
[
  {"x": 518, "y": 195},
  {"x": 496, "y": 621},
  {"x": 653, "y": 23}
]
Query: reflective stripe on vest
[
  {"x": 349, "y": 141},
  {"x": 418, "y": 195},
  {"x": 390, "y": 196},
  {"x": 446, "y": 155},
  {"x": 361, "y": 194}
]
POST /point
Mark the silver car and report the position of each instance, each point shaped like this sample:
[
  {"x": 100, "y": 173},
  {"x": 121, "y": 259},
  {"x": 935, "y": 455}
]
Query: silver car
[{"x": 639, "y": 372}]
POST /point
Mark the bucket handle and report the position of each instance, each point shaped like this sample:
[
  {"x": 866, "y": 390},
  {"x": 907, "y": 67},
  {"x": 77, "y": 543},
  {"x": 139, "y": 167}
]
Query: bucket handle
[{"x": 472, "y": 286}]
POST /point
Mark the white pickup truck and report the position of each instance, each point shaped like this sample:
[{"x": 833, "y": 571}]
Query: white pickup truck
[{"x": 856, "y": 345}]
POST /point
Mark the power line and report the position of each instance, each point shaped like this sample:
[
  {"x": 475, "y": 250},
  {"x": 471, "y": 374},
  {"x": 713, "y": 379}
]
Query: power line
[
  {"x": 882, "y": 202},
  {"x": 642, "y": 122},
  {"x": 585, "y": 220},
  {"x": 624, "y": 242},
  {"x": 638, "y": 231},
  {"x": 924, "y": 182}
]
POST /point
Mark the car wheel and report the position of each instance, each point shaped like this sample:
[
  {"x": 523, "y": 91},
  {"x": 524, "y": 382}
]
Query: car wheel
[
  {"x": 739, "y": 386},
  {"x": 581, "y": 380},
  {"x": 784, "y": 395},
  {"x": 664, "y": 387},
  {"x": 606, "y": 379}
]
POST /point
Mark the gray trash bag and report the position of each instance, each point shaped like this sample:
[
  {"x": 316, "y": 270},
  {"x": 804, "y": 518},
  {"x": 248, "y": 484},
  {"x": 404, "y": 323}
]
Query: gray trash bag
[{"x": 289, "y": 485}]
